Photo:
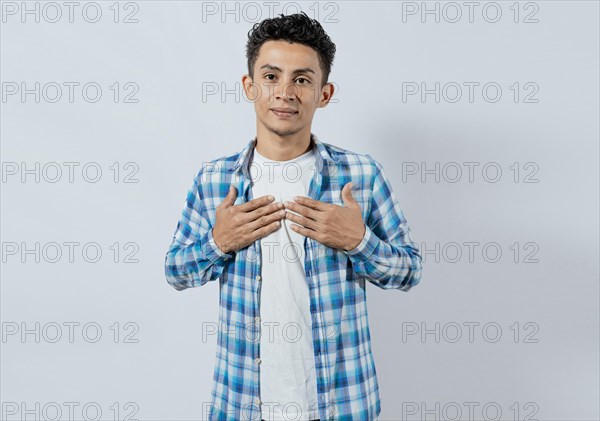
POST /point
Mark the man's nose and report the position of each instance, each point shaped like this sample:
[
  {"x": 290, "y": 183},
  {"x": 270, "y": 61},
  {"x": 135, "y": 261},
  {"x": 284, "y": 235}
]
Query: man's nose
[{"x": 286, "y": 90}]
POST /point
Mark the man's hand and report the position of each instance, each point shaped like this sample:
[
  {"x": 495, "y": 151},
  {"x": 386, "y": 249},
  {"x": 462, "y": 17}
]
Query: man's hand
[
  {"x": 240, "y": 225},
  {"x": 339, "y": 227}
]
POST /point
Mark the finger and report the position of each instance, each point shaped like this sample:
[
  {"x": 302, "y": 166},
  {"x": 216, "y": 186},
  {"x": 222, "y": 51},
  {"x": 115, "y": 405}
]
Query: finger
[
  {"x": 261, "y": 212},
  {"x": 311, "y": 203},
  {"x": 303, "y": 210},
  {"x": 230, "y": 198},
  {"x": 305, "y": 222},
  {"x": 266, "y": 220},
  {"x": 305, "y": 231},
  {"x": 347, "y": 194},
  {"x": 261, "y": 232},
  {"x": 256, "y": 203}
]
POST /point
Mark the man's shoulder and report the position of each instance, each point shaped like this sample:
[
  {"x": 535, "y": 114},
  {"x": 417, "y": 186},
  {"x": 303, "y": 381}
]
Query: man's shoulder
[
  {"x": 349, "y": 157},
  {"x": 222, "y": 164}
]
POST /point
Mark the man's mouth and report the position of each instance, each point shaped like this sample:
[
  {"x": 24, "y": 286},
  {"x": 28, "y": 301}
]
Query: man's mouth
[{"x": 282, "y": 113}]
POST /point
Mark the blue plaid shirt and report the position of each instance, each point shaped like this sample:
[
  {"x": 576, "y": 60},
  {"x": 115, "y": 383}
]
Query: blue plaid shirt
[{"x": 387, "y": 257}]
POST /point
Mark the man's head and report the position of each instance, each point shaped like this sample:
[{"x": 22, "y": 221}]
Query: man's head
[
  {"x": 297, "y": 28},
  {"x": 289, "y": 62}
]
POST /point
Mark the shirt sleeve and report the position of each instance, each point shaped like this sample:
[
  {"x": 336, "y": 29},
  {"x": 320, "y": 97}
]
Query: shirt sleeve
[
  {"x": 194, "y": 258},
  {"x": 386, "y": 256}
]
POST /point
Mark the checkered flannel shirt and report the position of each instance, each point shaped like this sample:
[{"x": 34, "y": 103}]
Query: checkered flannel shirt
[{"x": 387, "y": 257}]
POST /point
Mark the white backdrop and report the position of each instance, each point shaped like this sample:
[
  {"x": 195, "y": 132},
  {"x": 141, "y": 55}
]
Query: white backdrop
[{"x": 484, "y": 116}]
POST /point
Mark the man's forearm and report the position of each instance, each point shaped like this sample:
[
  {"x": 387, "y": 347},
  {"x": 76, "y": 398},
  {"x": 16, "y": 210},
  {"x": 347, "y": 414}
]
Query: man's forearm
[
  {"x": 194, "y": 264},
  {"x": 389, "y": 265}
]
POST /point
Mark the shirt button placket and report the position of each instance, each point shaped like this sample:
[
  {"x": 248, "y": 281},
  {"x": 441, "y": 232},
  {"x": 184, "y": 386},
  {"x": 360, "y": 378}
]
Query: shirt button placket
[
  {"x": 257, "y": 360},
  {"x": 318, "y": 351}
]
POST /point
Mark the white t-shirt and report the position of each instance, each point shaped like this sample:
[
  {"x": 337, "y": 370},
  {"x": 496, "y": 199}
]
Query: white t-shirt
[{"x": 288, "y": 379}]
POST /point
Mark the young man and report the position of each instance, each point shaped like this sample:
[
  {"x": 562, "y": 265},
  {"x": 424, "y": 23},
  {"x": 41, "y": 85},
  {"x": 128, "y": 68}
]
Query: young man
[{"x": 292, "y": 227}]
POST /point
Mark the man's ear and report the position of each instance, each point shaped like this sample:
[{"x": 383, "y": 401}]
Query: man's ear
[
  {"x": 326, "y": 94},
  {"x": 248, "y": 86}
]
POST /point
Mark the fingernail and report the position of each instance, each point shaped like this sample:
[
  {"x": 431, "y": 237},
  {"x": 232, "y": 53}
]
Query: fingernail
[{"x": 271, "y": 197}]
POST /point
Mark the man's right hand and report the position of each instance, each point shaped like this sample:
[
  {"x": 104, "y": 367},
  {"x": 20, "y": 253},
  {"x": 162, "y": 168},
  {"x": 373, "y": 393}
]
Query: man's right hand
[{"x": 236, "y": 226}]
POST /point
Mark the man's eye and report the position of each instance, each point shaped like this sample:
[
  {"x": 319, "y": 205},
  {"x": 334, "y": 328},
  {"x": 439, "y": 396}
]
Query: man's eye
[
  {"x": 269, "y": 75},
  {"x": 307, "y": 81}
]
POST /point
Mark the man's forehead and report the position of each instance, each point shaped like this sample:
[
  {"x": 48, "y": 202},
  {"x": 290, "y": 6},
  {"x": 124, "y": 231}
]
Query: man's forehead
[{"x": 274, "y": 54}]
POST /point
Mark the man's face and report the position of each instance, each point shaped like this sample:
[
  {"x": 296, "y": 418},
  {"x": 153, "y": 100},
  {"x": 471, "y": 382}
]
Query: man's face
[{"x": 286, "y": 77}]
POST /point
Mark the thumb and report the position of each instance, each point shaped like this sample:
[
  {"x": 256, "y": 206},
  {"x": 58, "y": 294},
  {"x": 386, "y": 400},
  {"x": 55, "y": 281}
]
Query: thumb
[
  {"x": 347, "y": 194},
  {"x": 231, "y": 196}
]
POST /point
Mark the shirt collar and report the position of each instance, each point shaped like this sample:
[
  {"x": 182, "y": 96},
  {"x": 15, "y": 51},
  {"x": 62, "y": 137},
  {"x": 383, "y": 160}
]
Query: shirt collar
[{"x": 243, "y": 161}]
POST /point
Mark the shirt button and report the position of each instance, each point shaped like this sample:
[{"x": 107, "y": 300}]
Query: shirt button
[
  {"x": 258, "y": 402},
  {"x": 257, "y": 360},
  {"x": 257, "y": 319},
  {"x": 258, "y": 277}
]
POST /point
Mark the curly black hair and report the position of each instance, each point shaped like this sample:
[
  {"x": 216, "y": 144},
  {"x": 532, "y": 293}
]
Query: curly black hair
[{"x": 298, "y": 28}]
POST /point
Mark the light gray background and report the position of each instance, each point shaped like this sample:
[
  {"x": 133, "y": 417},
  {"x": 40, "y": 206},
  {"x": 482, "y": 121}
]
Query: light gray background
[{"x": 169, "y": 54}]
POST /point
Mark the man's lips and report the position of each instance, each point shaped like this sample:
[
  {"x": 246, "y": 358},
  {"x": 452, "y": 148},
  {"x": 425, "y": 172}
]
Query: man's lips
[{"x": 284, "y": 112}]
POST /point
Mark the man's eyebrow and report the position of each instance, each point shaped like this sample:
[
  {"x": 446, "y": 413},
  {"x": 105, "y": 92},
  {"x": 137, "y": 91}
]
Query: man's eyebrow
[{"x": 277, "y": 69}]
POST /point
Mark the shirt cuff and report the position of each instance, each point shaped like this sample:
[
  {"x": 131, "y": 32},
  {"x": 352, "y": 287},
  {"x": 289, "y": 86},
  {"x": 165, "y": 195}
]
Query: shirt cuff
[{"x": 366, "y": 247}]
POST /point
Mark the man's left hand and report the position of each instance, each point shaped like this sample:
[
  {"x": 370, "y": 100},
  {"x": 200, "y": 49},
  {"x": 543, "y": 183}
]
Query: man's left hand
[{"x": 339, "y": 227}]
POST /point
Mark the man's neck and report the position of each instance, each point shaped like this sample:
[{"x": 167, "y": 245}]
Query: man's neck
[{"x": 283, "y": 149}]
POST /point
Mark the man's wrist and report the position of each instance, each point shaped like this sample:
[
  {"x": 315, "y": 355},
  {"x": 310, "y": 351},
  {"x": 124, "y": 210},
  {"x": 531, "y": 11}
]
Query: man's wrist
[
  {"x": 365, "y": 248},
  {"x": 219, "y": 249},
  {"x": 357, "y": 243}
]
